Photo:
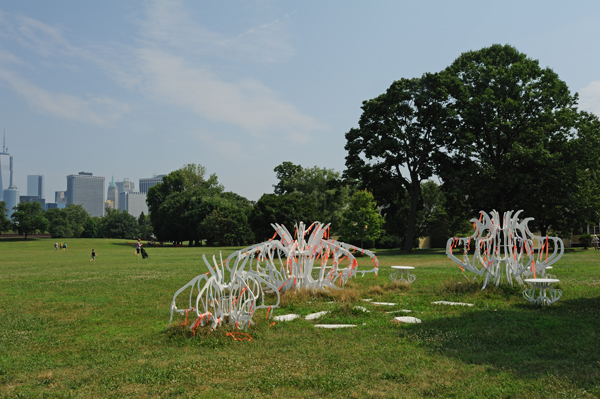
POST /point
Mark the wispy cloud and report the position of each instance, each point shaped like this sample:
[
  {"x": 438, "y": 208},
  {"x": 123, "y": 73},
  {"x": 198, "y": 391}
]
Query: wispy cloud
[
  {"x": 589, "y": 97},
  {"x": 246, "y": 103},
  {"x": 174, "y": 60},
  {"x": 168, "y": 24},
  {"x": 96, "y": 110}
]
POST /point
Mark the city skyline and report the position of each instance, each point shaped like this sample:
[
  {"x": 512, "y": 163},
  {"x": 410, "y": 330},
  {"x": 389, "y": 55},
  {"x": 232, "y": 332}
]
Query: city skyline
[{"x": 136, "y": 89}]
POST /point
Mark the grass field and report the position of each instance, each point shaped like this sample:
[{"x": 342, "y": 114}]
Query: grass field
[{"x": 73, "y": 328}]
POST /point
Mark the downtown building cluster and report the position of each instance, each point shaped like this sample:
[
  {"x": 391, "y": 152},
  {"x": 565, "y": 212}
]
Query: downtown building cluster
[{"x": 83, "y": 189}]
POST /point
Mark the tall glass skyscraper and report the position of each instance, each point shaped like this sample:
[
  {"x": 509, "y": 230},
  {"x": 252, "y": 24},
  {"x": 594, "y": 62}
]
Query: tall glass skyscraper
[
  {"x": 6, "y": 170},
  {"x": 86, "y": 190},
  {"x": 35, "y": 186}
]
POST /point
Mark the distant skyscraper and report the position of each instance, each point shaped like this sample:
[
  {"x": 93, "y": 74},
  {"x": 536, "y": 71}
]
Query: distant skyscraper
[
  {"x": 60, "y": 197},
  {"x": 86, "y": 190},
  {"x": 35, "y": 186},
  {"x": 113, "y": 194},
  {"x": 148, "y": 182},
  {"x": 125, "y": 185},
  {"x": 11, "y": 197},
  {"x": 6, "y": 169},
  {"x": 133, "y": 202}
]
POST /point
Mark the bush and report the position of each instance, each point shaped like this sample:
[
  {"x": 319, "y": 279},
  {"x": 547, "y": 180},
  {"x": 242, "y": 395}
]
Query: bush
[{"x": 585, "y": 240}]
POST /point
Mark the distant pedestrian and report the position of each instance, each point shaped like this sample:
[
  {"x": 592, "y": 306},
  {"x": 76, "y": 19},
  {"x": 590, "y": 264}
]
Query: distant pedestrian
[
  {"x": 596, "y": 242},
  {"x": 60, "y": 246},
  {"x": 64, "y": 246},
  {"x": 138, "y": 247},
  {"x": 93, "y": 255},
  {"x": 56, "y": 246}
]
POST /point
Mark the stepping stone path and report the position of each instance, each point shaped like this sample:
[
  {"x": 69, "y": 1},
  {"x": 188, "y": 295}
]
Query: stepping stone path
[
  {"x": 362, "y": 308},
  {"x": 384, "y": 303},
  {"x": 452, "y": 303}
]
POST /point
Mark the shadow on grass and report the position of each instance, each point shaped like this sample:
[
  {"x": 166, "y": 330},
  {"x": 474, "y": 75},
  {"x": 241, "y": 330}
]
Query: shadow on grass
[
  {"x": 533, "y": 342},
  {"x": 381, "y": 253},
  {"x": 21, "y": 239}
]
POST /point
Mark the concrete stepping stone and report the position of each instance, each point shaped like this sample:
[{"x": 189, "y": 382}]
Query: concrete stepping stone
[
  {"x": 407, "y": 319},
  {"x": 314, "y": 316},
  {"x": 334, "y": 325},
  {"x": 286, "y": 317}
]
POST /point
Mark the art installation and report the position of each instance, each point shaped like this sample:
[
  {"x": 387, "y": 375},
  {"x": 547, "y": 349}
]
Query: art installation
[
  {"x": 505, "y": 249},
  {"x": 234, "y": 289}
]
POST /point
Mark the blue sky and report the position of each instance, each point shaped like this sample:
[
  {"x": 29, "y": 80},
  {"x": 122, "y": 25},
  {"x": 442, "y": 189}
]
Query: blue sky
[{"x": 137, "y": 88}]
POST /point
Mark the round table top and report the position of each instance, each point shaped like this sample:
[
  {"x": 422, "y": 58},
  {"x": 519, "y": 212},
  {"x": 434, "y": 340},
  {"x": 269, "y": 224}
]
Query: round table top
[
  {"x": 403, "y": 267},
  {"x": 541, "y": 280}
]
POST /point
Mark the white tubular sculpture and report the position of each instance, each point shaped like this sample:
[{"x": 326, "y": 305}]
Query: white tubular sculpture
[
  {"x": 506, "y": 248},
  {"x": 271, "y": 267}
]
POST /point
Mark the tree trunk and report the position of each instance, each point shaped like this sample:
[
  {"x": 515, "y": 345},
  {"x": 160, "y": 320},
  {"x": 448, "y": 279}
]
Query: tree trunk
[{"x": 412, "y": 216}]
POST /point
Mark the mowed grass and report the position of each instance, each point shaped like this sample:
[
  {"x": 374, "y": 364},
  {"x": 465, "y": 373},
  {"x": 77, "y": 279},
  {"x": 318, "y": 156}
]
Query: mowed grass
[{"x": 74, "y": 328}]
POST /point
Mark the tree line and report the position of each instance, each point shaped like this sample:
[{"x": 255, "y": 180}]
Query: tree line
[
  {"x": 73, "y": 221},
  {"x": 495, "y": 129}
]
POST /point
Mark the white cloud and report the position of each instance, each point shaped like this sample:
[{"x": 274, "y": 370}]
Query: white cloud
[
  {"x": 173, "y": 61},
  {"x": 7, "y": 57},
  {"x": 96, "y": 110},
  {"x": 246, "y": 103},
  {"x": 169, "y": 24},
  {"x": 589, "y": 97}
]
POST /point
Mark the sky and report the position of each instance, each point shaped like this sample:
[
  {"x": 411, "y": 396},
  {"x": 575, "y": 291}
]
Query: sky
[{"x": 133, "y": 89}]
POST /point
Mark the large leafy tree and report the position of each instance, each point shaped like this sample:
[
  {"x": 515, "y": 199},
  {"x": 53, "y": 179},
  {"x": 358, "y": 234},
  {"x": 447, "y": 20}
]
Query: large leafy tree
[
  {"x": 117, "y": 224},
  {"x": 393, "y": 149},
  {"x": 362, "y": 220},
  {"x": 68, "y": 222},
  {"x": 77, "y": 217},
  {"x": 175, "y": 205},
  {"x": 59, "y": 223},
  {"x": 287, "y": 209},
  {"x": 28, "y": 218},
  {"x": 226, "y": 224},
  {"x": 321, "y": 186},
  {"x": 4, "y": 220},
  {"x": 145, "y": 227},
  {"x": 519, "y": 142}
]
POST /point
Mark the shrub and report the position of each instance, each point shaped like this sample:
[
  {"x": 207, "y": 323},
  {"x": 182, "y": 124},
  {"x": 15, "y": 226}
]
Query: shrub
[{"x": 585, "y": 240}]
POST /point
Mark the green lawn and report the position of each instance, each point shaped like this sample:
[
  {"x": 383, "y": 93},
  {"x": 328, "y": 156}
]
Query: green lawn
[{"x": 74, "y": 328}]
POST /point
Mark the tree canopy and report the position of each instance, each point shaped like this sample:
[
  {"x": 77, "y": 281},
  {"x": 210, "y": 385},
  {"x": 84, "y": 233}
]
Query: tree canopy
[
  {"x": 69, "y": 222},
  {"x": 27, "y": 218},
  {"x": 519, "y": 142},
  {"x": 187, "y": 206},
  {"x": 321, "y": 186},
  {"x": 175, "y": 205},
  {"x": 117, "y": 224},
  {"x": 393, "y": 149},
  {"x": 362, "y": 220},
  {"x": 287, "y": 209},
  {"x": 4, "y": 220}
]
